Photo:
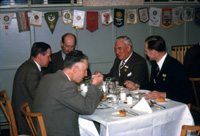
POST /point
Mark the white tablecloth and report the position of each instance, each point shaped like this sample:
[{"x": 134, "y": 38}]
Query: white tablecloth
[{"x": 165, "y": 122}]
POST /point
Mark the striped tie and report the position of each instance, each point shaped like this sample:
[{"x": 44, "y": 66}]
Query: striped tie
[{"x": 122, "y": 65}]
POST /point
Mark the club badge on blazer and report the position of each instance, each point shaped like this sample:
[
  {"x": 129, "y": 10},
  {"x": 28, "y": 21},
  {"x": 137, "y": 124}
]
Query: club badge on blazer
[
  {"x": 126, "y": 68},
  {"x": 164, "y": 76}
]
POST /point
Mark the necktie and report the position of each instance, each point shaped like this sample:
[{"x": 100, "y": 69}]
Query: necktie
[
  {"x": 156, "y": 74},
  {"x": 122, "y": 65}
]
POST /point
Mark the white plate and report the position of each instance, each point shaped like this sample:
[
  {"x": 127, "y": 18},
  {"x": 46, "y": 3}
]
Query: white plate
[
  {"x": 117, "y": 114},
  {"x": 137, "y": 92},
  {"x": 166, "y": 100}
]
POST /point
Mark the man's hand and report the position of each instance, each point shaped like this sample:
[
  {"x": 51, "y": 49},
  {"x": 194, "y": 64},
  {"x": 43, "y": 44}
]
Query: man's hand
[
  {"x": 155, "y": 94},
  {"x": 131, "y": 85},
  {"x": 97, "y": 78}
]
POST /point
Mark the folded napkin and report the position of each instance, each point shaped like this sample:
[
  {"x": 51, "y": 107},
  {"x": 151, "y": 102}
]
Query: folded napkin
[{"x": 143, "y": 106}]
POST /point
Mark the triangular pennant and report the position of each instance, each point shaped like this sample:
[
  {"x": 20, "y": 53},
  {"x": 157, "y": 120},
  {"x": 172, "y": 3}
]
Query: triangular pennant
[
  {"x": 197, "y": 16},
  {"x": 92, "y": 20},
  {"x": 6, "y": 20},
  {"x": 51, "y": 19},
  {"x": 143, "y": 15},
  {"x": 23, "y": 22},
  {"x": 131, "y": 16},
  {"x": 78, "y": 19},
  {"x": 36, "y": 18},
  {"x": 154, "y": 15},
  {"x": 178, "y": 15},
  {"x": 118, "y": 17},
  {"x": 106, "y": 17},
  {"x": 166, "y": 17},
  {"x": 67, "y": 16}
]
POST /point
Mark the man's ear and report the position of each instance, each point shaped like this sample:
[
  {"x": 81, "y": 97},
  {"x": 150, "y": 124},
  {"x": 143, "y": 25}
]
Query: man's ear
[{"x": 61, "y": 44}]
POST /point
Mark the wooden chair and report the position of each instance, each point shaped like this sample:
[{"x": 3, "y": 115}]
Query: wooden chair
[
  {"x": 25, "y": 109},
  {"x": 185, "y": 128},
  {"x": 8, "y": 112},
  {"x": 193, "y": 81}
]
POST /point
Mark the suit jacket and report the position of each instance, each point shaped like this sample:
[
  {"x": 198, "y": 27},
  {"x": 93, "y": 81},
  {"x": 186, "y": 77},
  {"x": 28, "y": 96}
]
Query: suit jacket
[
  {"x": 60, "y": 103},
  {"x": 26, "y": 81},
  {"x": 134, "y": 70},
  {"x": 57, "y": 63},
  {"x": 171, "y": 79},
  {"x": 192, "y": 61}
]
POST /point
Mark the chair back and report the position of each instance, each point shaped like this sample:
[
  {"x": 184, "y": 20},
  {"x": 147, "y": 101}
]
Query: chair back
[
  {"x": 185, "y": 128},
  {"x": 8, "y": 112},
  {"x": 25, "y": 109},
  {"x": 195, "y": 88}
]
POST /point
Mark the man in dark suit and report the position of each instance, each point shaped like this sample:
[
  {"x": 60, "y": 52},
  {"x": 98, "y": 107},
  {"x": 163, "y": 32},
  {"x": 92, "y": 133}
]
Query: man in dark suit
[
  {"x": 134, "y": 68},
  {"x": 168, "y": 76},
  {"x": 26, "y": 81},
  {"x": 59, "y": 100},
  {"x": 68, "y": 43}
]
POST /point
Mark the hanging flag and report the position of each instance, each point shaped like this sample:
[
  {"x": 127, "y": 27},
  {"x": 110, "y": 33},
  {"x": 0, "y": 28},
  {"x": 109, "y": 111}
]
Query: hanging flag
[
  {"x": 36, "y": 18},
  {"x": 92, "y": 20},
  {"x": 66, "y": 16},
  {"x": 131, "y": 17},
  {"x": 188, "y": 13},
  {"x": 106, "y": 17},
  {"x": 166, "y": 17},
  {"x": 143, "y": 15},
  {"x": 118, "y": 17},
  {"x": 177, "y": 15},
  {"x": 22, "y": 20},
  {"x": 78, "y": 19},
  {"x": 197, "y": 16},
  {"x": 6, "y": 20},
  {"x": 154, "y": 14},
  {"x": 51, "y": 19}
]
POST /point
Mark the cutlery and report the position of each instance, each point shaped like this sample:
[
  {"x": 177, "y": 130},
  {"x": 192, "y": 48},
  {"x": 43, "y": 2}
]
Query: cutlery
[
  {"x": 153, "y": 102},
  {"x": 131, "y": 112}
]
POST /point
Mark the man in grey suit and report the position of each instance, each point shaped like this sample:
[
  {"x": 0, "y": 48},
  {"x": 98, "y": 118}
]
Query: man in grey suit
[
  {"x": 58, "y": 98},
  {"x": 26, "y": 81},
  {"x": 133, "y": 70}
]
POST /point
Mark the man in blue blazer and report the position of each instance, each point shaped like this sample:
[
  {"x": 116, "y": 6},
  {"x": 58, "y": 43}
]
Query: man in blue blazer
[
  {"x": 168, "y": 76},
  {"x": 60, "y": 102}
]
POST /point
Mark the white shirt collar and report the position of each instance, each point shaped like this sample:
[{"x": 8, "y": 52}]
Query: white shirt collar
[
  {"x": 126, "y": 59},
  {"x": 39, "y": 67},
  {"x": 161, "y": 61},
  {"x": 68, "y": 77},
  {"x": 63, "y": 55}
]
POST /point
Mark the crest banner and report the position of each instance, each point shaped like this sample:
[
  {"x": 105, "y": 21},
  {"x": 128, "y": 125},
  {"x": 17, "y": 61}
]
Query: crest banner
[
  {"x": 78, "y": 19},
  {"x": 92, "y": 20},
  {"x": 51, "y": 19},
  {"x": 118, "y": 17},
  {"x": 36, "y": 18},
  {"x": 6, "y": 20}
]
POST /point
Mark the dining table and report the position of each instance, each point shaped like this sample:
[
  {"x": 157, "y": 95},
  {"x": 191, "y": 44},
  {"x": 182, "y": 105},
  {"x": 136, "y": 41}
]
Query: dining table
[{"x": 166, "y": 119}]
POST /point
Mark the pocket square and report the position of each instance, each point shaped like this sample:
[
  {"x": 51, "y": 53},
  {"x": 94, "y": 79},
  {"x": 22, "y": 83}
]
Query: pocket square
[{"x": 129, "y": 74}]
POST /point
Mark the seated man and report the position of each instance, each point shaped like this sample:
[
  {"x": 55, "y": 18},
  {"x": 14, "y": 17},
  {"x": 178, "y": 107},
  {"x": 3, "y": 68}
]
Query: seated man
[
  {"x": 168, "y": 76},
  {"x": 60, "y": 102},
  {"x": 128, "y": 65},
  {"x": 68, "y": 44}
]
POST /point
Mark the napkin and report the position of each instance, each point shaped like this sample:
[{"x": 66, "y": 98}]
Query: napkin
[{"x": 143, "y": 106}]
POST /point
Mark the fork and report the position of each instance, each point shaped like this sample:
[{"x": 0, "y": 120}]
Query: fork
[
  {"x": 153, "y": 102},
  {"x": 131, "y": 112}
]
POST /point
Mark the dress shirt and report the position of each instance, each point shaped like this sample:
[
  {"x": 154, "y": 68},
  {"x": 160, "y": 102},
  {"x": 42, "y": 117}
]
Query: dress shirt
[
  {"x": 124, "y": 62},
  {"x": 63, "y": 55},
  {"x": 161, "y": 61},
  {"x": 39, "y": 67}
]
